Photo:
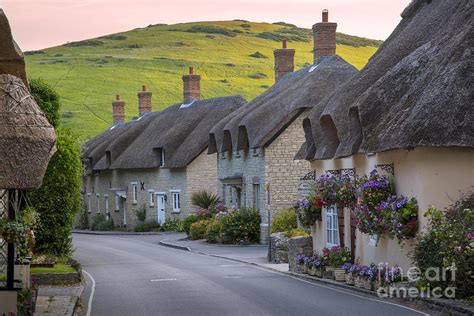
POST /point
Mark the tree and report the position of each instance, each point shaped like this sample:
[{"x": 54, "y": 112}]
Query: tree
[{"x": 58, "y": 199}]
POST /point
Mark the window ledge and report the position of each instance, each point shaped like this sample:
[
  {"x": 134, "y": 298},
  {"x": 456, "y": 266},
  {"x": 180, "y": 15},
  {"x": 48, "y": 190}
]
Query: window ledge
[{"x": 176, "y": 212}]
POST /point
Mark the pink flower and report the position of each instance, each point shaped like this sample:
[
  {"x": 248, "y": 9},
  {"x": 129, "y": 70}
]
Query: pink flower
[{"x": 469, "y": 236}]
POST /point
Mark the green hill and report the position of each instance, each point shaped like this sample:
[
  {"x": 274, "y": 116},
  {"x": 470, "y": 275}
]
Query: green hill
[{"x": 232, "y": 57}]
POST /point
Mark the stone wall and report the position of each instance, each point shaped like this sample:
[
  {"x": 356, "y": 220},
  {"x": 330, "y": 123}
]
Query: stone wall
[
  {"x": 201, "y": 175},
  {"x": 279, "y": 248},
  {"x": 296, "y": 246},
  {"x": 281, "y": 170}
]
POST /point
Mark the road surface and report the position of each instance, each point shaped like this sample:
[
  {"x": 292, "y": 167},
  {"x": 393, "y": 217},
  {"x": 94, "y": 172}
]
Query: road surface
[{"x": 135, "y": 277}]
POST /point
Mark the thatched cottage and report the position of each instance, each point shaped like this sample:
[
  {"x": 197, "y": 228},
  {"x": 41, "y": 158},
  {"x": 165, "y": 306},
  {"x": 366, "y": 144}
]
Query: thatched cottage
[
  {"x": 256, "y": 144},
  {"x": 154, "y": 162},
  {"x": 408, "y": 112}
]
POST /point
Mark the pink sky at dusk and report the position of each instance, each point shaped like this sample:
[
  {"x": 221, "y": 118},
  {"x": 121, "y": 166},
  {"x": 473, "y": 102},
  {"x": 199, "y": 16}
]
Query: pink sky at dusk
[{"x": 39, "y": 24}]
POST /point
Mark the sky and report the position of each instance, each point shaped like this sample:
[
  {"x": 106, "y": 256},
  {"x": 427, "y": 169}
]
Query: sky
[{"x": 38, "y": 24}]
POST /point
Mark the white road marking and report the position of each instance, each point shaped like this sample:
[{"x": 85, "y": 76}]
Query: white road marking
[
  {"x": 342, "y": 291},
  {"x": 91, "y": 297},
  {"x": 162, "y": 280}
]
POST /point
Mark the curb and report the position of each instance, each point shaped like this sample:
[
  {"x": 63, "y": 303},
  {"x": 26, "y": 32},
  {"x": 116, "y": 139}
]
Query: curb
[
  {"x": 77, "y": 304},
  {"x": 112, "y": 233},
  {"x": 170, "y": 245},
  {"x": 430, "y": 303}
]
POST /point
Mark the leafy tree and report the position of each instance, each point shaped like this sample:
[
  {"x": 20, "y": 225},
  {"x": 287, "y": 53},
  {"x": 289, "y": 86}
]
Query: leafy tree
[
  {"x": 58, "y": 199},
  {"x": 47, "y": 99}
]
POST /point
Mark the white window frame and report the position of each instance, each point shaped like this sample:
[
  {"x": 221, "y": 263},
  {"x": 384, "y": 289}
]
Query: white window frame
[
  {"x": 332, "y": 226},
  {"x": 98, "y": 202},
  {"x": 134, "y": 192},
  {"x": 151, "y": 198},
  {"x": 106, "y": 203},
  {"x": 89, "y": 209},
  {"x": 176, "y": 200},
  {"x": 117, "y": 202}
]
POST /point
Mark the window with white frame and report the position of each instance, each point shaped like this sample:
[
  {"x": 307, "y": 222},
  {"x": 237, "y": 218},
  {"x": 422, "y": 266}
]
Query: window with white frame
[
  {"x": 332, "y": 226},
  {"x": 117, "y": 202},
  {"x": 176, "y": 199},
  {"x": 106, "y": 203},
  {"x": 134, "y": 192},
  {"x": 98, "y": 202},
  {"x": 88, "y": 202},
  {"x": 151, "y": 198}
]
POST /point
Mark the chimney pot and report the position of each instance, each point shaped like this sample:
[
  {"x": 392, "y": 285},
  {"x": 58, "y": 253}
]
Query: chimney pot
[
  {"x": 117, "y": 97},
  {"x": 325, "y": 16},
  {"x": 284, "y": 43},
  {"x": 191, "y": 70},
  {"x": 118, "y": 110},
  {"x": 143, "y": 88}
]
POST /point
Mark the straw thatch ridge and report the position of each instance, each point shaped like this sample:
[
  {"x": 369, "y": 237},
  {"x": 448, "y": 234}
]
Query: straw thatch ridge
[
  {"x": 260, "y": 121},
  {"x": 181, "y": 132},
  {"x": 27, "y": 140},
  {"x": 414, "y": 92},
  {"x": 11, "y": 56}
]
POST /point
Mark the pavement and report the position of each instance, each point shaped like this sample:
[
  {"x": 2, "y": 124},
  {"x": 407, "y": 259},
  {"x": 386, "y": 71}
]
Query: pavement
[
  {"x": 133, "y": 275},
  {"x": 58, "y": 300}
]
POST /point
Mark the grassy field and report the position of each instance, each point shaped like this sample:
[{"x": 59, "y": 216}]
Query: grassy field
[{"x": 88, "y": 74}]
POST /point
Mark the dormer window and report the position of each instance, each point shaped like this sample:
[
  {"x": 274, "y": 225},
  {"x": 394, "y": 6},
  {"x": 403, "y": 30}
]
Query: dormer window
[{"x": 160, "y": 156}]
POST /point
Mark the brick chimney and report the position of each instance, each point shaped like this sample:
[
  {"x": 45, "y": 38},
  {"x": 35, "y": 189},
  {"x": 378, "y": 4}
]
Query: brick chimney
[
  {"x": 284, "y": 61},
  {"x": 324, "y": 37},
  {"x": 191, "y": 86},
  {"x": 118, "y": 110},
  {"x": 144, "y": 101}
]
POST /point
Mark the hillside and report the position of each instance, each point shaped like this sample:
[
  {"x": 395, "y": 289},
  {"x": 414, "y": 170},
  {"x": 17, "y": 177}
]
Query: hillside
[{"x": 232, "y": 57}]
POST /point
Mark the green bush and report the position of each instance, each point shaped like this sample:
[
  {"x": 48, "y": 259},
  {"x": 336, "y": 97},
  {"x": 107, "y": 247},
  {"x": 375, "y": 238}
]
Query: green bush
[
  {"x": 257, "y": 54},
  {"x": 58, "y": 199},
  {"x": 198, "y": 229},
  {"x": 284, "y": 221},
  {"x": 188, "y": 221},
  {"x": 214, "y": 231},
  {"x": 84, "y": 218},
  {"x": 447, "y": 241},
  {"x": 141, "y": 213},
  {"x": 148, "y": 226},
  {"x": 296, "y": 232},
  {"x": 175, "y": 225},
  {"x": 99, "y": 222},
  {"x": 240, "y": 227},
  {"x": 204, "y": 199},
  {"x": 47, "y": 99}
]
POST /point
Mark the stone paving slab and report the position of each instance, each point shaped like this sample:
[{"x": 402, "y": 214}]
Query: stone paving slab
[{"x": 58, "y": 300}]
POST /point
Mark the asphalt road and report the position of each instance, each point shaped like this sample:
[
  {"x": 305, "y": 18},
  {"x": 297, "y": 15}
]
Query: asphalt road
[{"x": 133, "y": 277}]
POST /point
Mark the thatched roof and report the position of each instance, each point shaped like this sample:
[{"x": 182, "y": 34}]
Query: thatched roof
[
  {"x": 414, "y": 92},
  {"x": 182, "y": 132},
  {"x": 260, "y": 121},
  {"x": 11, "y": 57},
  {"x": 26, "y": 138}
]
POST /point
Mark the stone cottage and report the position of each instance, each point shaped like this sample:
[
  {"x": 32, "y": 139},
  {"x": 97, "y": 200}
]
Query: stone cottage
[
  {"x": 256, "y": 144},
  {"x": 409, "y": 113},
  {"x": 154, "y": 162}
]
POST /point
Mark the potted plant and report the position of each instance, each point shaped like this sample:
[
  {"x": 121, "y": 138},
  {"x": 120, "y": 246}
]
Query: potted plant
[
  {"x": 337, "y": 258},
  {"x": 299, "y": 260},
  {"x": 351, "y": 272}
]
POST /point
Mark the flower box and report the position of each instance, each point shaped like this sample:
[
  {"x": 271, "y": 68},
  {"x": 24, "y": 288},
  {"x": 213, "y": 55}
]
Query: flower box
[
  {"x": 319, "y": 273},
  {"x": 328, "y": 273},
  {"x": 340, "y": 275},
  {"x": 368, "y": 285},
  {"x": 312, "y": 271},
  {"x": 359, "y": 281},
  {"x": 349, "y": 279},
  {"x": 304, "y": 269}
]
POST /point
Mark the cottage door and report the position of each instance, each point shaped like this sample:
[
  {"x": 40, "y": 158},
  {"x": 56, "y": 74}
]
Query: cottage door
[{"x": 160, "y": 202}]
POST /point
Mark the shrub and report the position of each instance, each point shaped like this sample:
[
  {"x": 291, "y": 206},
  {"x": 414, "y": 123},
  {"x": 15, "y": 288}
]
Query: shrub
[
  {"x": 175, "y": 225},
  {"x": 188, "y": 221},
  {"x": 296, "y": 232},
  {"x": 148, "y": 226},
  {"x": 447, "y": 241},
  {"x": 115, "y": 37},
  {"x": 210, "y": 30},
  {"x": 214, "y": 231},
  {"x": 85, "y": 43},
  {"x": 258, "y": 75},
  {"x": 141, "y": 213},
  {"x": 284, "y": 221},
  {"x": 240, "y": 227},
  {"x": 257, "y": 55},
  {"x": 338, "y": 256},
  {"x": 99, "y": 222},
  {"x": 204, "y": 199},
  {"x": 58, "y": 199},
  {"x": 47, "y": 99},
  {"x": 198, "y": 229}
]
